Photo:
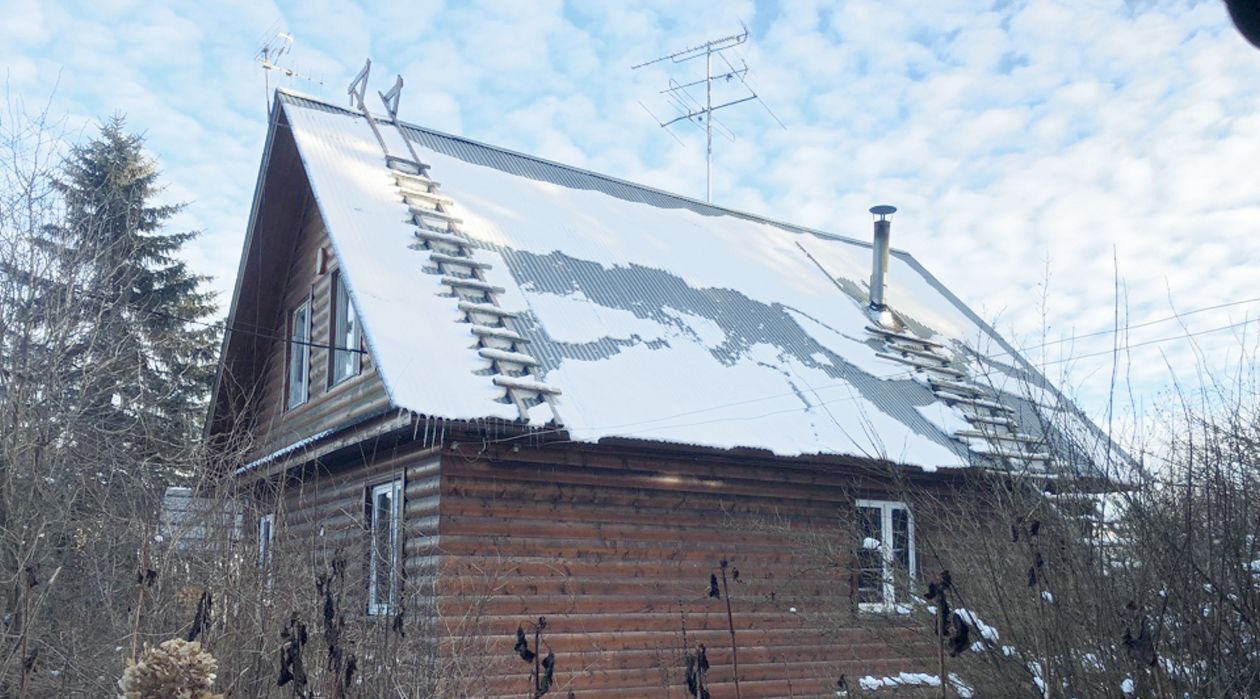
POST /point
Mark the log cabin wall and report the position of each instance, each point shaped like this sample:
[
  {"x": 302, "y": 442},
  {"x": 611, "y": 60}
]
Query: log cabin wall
[
  {"x": 309, "y": 276},
  {"x": 325, "y": 506},
  {"x": 321, "y": 543},
  {"x": 614, "y": 549}
]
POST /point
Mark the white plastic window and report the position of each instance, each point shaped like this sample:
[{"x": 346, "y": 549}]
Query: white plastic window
[
  {"x": 345, "y": 336},
  {"x": 885, "y": 554},
  {"x": 384, "y": 526},
  {"x": 266, "y": 532},
  {"x": 299, "y": 354}
]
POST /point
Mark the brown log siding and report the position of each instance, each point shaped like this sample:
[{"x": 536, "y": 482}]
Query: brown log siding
[
  {"x": 327, "y": 407},
  {"x": 613, "y": 549},
  {"x": 321, "y": 527}
]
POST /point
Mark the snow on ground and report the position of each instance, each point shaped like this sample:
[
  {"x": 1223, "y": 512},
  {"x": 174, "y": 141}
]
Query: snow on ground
[
  {"x": 904, "y": 679},
  {"x": 901, "y": 680},
  {"x": 987, "y": 632}
]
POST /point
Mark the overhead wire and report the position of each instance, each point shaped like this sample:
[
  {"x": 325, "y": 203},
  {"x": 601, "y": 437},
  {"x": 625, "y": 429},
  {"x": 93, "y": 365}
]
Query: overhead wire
[
  {"x": 220, "y": 326},
  {"x": 1171, "y": 338},
  {"x": 653, "y": 424},
  {"x": 906, "y": 373},
  {"x": 1132, "y": 326}
]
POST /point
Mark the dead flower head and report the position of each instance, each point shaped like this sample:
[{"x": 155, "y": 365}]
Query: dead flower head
[{"x": 175, "y": 669}]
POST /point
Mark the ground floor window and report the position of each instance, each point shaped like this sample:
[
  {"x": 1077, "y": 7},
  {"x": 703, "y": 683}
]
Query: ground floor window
[
  {"x": 384, "y": 517},
  {"x": 266, "y": 532},
  {"x": 885, "y": 554}
]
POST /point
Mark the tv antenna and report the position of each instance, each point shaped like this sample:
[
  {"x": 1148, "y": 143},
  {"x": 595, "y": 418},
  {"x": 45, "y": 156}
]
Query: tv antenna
[
  {"x": 268, "y": 58},
  {"x": 691, "y": 109}
]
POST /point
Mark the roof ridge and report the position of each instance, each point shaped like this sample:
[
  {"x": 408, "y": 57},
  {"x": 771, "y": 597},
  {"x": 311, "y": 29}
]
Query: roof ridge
[{"x": 288, "y": 92}]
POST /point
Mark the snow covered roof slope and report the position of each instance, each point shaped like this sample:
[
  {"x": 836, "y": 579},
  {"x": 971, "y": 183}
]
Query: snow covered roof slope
[{"x": 640, "y": 314}]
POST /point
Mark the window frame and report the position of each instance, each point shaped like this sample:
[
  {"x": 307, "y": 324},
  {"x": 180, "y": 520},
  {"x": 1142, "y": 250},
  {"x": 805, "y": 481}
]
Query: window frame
[
  {"x": 298, "y": 349},
  {"x": 376, "y": 606},
  {"x": 890, "y": 602},
  {"x": 335, "y": 335},
  {"x": 266, "y": 537}
]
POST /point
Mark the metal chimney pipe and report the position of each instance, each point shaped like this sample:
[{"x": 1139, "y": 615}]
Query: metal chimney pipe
[{"x": 879, "y": 256}]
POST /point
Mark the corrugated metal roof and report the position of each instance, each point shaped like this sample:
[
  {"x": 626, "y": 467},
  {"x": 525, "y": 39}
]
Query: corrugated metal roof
[
  {"x": 775, "y": 334},
  {"x": 534, "y": 167}
]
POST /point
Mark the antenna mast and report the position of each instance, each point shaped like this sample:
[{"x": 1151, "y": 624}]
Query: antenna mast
[
  {"x": 268, "y": 58},
  {"x": 691, "y": 109}
]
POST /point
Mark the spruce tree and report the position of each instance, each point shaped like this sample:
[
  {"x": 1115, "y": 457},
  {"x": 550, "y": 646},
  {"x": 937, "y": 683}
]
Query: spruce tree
[
  {"x": 104, "y": 368},
  {"x": 146, "y": 356}
]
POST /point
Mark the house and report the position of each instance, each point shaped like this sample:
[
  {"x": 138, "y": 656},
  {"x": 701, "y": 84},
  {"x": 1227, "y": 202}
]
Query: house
[{"x": 500, "y": 388}]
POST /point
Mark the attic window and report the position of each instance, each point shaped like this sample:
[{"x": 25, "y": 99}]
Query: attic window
[
  {"x": 885, "y": 555},
  {"x": 299, "y": 354},
  {"x": 345, "y": 357}
]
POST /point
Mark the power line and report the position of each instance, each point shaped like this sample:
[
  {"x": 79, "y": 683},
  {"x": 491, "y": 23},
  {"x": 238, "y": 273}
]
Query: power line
[
  {"x": 1171, "y": 338},
  {"x": 720, "y": 406},
  {"x": 661, "y": 423},
  {"x": 224, "y": 327},
  {"x": 904, "y": 373},
  {"x": 1021, "y": 350},
  {"x": 1111, "y": 331},
  {"x": 221, "y": 327}
]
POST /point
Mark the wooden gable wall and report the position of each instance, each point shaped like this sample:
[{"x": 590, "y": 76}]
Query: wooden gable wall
[
  {"x": 279, "y": 268},
  {"x": 327, "y": 407}
]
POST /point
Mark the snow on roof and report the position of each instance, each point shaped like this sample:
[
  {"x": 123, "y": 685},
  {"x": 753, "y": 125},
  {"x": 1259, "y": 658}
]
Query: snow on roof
[{"x": 656, "y": 317}]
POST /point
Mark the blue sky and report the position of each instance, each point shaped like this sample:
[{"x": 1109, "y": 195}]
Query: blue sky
[{"x": 1025, "y": 142}]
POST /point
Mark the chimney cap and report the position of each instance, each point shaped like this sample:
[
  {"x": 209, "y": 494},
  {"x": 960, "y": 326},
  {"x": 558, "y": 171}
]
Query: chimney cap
[{"x": 883, "y": 210}]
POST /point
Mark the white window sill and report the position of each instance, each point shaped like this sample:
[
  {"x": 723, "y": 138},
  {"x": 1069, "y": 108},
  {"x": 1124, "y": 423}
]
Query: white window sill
[{"x": 896, "y": 608}]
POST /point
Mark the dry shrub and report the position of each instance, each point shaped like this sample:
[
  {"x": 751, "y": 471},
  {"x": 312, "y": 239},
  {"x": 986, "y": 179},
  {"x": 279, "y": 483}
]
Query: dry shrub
[{"x": 175, "y": 669}]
